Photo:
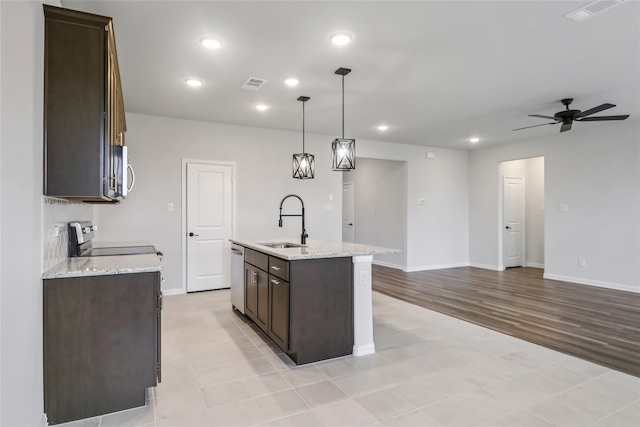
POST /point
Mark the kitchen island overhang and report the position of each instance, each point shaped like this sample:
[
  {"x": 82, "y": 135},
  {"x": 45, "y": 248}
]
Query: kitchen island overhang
[{"x": 357, "y": 282}]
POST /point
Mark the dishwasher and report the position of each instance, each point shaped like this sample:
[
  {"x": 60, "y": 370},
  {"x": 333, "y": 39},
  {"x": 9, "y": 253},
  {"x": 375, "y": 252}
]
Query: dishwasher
[{"x": 237, "y": 277}]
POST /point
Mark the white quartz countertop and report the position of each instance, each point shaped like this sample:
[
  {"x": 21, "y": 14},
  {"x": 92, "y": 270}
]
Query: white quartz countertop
[
  {"x": 104, "y": 265},
  {"x": 313, "y": 249}
]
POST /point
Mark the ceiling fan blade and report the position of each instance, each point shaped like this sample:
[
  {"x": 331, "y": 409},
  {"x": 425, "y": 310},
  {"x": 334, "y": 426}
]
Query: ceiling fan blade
[
  {"x": 597, "y": 109},
  {"x": 535, "y": 126},
  {"x": 565, "y": 127},
  {"x": 542, "y": 117},
  {"x": 603, "y": 118}
]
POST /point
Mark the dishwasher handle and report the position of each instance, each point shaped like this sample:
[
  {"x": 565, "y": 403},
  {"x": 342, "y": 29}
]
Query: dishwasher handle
[{"x": 236, "y": 251}]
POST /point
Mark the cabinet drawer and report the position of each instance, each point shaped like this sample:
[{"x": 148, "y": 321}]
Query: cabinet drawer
[
  {"x": 279, "y": 268},
  {"x": 256, "y": 258},
  {"x": 250, "y": 256}
]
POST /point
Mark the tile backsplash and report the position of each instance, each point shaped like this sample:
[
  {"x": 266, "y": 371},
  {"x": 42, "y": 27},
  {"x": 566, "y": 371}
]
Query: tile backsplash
[{"x": 56, "y": 214}]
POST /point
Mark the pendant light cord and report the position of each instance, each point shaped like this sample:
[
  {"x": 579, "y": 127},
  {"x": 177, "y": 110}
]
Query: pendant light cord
[
  {"x": 343, "y": 106},
  {"x": 303, "y": 127}
]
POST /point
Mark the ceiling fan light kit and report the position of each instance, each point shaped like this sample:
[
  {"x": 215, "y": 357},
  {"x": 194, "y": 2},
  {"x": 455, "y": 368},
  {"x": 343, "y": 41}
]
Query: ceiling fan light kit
[
  {"x": 567, "y": 116},
  {"x": 343, "y": 150},
  {"x": 303, "y": 163}
]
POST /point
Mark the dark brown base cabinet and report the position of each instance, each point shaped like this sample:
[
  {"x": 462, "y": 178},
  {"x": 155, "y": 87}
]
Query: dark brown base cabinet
[
  {"x": 304, "y": 306},
  {"x": 101, "y": 343}
]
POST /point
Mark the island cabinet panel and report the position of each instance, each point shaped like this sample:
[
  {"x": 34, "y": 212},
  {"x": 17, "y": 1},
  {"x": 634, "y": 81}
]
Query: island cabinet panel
[
  {"x": 101, "y": 343},
  {"x": 308, "y": 304},
  {"x": 321, "y": 309}
]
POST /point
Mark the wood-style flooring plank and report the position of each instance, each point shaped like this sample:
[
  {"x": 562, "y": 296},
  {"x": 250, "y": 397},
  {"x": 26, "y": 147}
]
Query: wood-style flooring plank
[{"x": 596, "y": 324}]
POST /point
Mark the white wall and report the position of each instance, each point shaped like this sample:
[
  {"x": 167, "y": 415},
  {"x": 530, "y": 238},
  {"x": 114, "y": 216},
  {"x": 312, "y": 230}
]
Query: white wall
[
  {"x": 534, "y": 212},
  {"x": 380, "y": 207},
  {"x": 595, "y": 170},
  {"x": 21, "y": 83},
  {"x": 262, "y": 157},
  {"x": 438, "y": 231}
]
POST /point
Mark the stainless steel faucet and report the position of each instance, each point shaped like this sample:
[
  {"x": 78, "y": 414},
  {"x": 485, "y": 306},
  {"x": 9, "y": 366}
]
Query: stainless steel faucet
[{"x": 303, "y": 237}]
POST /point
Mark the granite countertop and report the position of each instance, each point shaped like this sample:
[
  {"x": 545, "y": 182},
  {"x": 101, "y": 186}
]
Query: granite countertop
[
  {"x": 104, "y": 265},
  {"x": 314, "y": 248}
]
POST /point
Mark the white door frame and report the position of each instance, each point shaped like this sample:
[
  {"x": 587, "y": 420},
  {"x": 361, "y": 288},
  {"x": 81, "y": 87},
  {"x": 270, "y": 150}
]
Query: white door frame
[{"x": 183, "y": 231}]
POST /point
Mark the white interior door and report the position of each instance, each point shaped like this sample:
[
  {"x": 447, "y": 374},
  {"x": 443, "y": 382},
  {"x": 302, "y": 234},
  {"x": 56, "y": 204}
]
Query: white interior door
[
  {"x": 348, "y": 215},
  {"x": 513, "y": 221},
  {"x": 209, "y": 226}
]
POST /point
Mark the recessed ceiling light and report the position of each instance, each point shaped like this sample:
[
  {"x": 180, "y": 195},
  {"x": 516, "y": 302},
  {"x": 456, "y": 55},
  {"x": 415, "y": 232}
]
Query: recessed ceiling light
[
  {"x": 291, "y": 82},
  {"x": 341, "y": 38},
  {"x": 211, "y": 42},
  {"x": 193, "y": 82},
  {"x": 261, "y": 106},
  {"x": 474, "y": 140},
  {"x": 383, "y": 127}
]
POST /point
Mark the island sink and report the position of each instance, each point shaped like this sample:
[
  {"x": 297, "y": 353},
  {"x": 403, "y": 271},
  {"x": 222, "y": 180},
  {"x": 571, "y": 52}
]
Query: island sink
[{"x": 282, "y": 245}]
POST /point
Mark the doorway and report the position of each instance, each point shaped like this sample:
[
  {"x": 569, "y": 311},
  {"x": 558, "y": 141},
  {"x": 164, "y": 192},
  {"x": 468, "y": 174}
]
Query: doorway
[
  {"x": 380, "y": 207},
  {"x": 207, "y": 224},
  {"x": 521, "y": 213},
  {"x": 348, "y": 213}
]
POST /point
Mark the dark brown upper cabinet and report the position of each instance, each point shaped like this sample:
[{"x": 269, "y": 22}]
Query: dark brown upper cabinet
[{"x": 84, "y": 117}]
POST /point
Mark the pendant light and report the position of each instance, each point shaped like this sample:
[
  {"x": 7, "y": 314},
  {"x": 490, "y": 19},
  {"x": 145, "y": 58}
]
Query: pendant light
[
  {"x": 303, "y": 163},
  {"x": 343, "y": 150}
]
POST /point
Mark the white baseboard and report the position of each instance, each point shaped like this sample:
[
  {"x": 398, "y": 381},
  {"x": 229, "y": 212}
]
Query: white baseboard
[
  {"x": 581, "y": 281},
  {"x": 363, "y": 350},
  {"x": 535, "y": 265},
  {"x": 436, "y": 267},
  {"x": 388, "y": 264},
  {"x": 170, "y": 292},
  {"x": 487, "y": 266}
]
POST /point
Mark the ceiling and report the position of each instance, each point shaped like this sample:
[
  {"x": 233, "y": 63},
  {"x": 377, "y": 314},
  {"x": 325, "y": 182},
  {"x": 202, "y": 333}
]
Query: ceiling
[{"x": 436, "y": 72}]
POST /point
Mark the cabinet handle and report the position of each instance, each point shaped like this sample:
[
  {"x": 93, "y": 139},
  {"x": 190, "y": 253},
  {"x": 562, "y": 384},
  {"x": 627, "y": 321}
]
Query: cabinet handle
[
  {"x": 275, "y": 267},
  {"x": 275, "y": 282},
  {"x": 255, "y": 276}
]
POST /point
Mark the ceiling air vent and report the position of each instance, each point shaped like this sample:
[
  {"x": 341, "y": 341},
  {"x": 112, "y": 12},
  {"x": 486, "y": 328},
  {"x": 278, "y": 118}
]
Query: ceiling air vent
[
  {"x": 253, "y": 83},
  {"x": 592, "y": 9}
]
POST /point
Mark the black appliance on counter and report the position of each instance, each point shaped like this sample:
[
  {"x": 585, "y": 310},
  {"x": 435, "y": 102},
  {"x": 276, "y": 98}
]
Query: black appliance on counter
[{"x": 81, "y": 233}]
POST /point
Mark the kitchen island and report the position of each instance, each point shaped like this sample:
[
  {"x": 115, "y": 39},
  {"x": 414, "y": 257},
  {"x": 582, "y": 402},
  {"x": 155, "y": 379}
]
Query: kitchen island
[{"x": 314, "y": 300}]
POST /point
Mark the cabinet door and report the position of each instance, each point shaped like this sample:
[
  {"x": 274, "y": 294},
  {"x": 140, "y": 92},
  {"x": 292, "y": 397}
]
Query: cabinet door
[
  {"x": 76, "y": 154},
  {"x": 100, "y": 344},
  {"x": 250, "y": 292},
  {"x": 279, "y": 312},
  {"x": 262, "y": 300}
]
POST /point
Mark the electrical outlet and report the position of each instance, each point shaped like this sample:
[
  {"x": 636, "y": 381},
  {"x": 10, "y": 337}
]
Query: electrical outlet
[
  {"x": 363, "y": 277},
  {"x": 582, "y": 263}
]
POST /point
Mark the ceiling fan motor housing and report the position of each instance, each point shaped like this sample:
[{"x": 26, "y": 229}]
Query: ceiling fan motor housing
[{"x": 567, "y": 115}]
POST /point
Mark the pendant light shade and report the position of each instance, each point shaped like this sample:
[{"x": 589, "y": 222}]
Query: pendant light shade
[
  {"x": 343, "y": 150},
  {"x": 303, "y": 163}
]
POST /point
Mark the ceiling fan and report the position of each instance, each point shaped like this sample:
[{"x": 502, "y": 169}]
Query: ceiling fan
[{"x": 567, "y": 117}]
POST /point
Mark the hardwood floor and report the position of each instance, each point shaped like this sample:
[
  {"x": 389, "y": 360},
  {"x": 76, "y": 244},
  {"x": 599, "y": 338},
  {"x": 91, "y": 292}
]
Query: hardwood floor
[{"x": 595, "y": 324}]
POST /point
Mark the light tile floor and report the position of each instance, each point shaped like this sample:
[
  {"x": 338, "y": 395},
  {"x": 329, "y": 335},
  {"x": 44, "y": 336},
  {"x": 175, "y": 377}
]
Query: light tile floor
[{"x": 428, "y": 370}]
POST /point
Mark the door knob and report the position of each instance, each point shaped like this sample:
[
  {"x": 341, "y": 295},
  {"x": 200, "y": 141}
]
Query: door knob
[
  {"x": 508, "y": 228},
  {"x": 191, "y": 235}
]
